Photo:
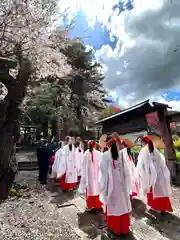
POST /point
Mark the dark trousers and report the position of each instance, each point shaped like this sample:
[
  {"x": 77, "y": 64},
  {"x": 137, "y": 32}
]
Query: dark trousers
[{"x": 43, "y": 173}]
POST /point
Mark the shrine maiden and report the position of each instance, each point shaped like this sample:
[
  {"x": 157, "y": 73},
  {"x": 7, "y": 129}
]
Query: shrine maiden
[
  {"x": 67, "y": 169},
  {"x": 89, "y": 178},
  {"x": 115, "y": 185},
  {"x": 153, "y": 177},
  {"x": 127, "y": 156},
  {"x": 56, "y": 164},
  {"x": 79, "y": 158}
]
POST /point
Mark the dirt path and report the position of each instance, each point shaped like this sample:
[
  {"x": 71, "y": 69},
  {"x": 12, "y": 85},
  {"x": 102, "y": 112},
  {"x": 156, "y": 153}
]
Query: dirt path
[
  {"x": 33, "y": 216},
  {"x": 46, "y": 213}
]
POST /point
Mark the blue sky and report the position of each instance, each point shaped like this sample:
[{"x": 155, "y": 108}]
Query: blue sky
[
  {"x": 96, "y": 37},
  {"x": 117, "y": 30}
]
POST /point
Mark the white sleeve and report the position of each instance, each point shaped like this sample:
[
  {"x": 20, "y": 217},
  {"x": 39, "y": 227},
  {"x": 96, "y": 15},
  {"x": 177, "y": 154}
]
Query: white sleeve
[
  {"x": 103, "y": 176},
  {"x": 82, "y": 185},
  {"x": 61, "y": 165}
]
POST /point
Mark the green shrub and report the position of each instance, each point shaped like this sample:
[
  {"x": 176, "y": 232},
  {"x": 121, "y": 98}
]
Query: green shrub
[
  {"x": 178, "y": 156},
  {"x": 12, "y": 192},
  {"x": 136, "y": 148}
]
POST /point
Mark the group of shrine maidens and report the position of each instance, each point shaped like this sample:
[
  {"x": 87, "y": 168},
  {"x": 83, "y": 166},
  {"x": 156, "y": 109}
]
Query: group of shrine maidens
[{"x": 110, "y": 180}]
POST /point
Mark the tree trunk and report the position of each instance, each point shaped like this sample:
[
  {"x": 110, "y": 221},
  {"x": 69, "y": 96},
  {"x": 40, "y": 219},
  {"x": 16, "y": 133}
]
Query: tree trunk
[
  {"x": 80, "y": 119},
  {"x": 8, "y": 173},
  {"x": 56, "y": 128},
  {"x": 53, "y": 127},
  {"x": 9, "y": 122},
  {"x": 10, "y": 133},
  {"x": 45, "y": 129}
]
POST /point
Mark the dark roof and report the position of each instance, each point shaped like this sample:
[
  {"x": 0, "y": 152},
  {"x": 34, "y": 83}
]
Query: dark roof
[
  {"x": 146, "y": 107},
  {"x": 173, "y": 113}
]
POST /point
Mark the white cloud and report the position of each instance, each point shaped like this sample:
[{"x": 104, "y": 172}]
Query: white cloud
[
  {"x": 175, "y": 105},
  {"x": 148, "y": 61},
  {"x": 93, "y": 9}
]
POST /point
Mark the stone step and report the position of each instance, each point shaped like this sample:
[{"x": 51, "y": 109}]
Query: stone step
[{"x": 28, "y": 166}]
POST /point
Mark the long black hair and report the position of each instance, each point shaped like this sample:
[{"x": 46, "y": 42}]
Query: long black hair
[
  {"x": 114, "y": 151},
  {"x": 67, "y": 139},
  {"x": 129, "y": 152},
  {"x": 70, "y": 147},
  {"x": 111, "y": 142},
  {"x": 77, "y": 145},
  {"x": 148, "y": 141},
  {"x": 91, "y": 145},
  {"x": 151, "y": 146},
  {"x": 60, "y": 144}
]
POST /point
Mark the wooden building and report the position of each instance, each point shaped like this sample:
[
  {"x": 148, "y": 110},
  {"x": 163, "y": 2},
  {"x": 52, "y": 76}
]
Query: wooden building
[{"x": 134, "y": 119}]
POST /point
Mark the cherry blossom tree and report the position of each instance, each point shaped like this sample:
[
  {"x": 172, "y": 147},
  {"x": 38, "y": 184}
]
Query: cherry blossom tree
[{"x": 25, "y": 29}]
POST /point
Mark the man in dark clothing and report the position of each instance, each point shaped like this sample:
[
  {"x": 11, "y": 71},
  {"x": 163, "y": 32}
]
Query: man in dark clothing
[
  {"x": 39, "y": 145},
  {"x": 44, "y": 155},
  {"x": 53, "y": 144}
]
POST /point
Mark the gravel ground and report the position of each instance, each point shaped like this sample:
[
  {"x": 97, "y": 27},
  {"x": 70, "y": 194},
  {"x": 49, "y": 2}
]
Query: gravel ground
[{"x": 33, "y": 216}]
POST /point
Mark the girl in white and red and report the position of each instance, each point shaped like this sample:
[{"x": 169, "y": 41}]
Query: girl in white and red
[
  {"x": 153, "y": 177},
  {"x": 115, "y": 185},
  {"x": 79, "y": 158},
  {"x": 131, "y": 165},
  {"x": 53, "y": 157},
  {"x": 89, "y": 178}
]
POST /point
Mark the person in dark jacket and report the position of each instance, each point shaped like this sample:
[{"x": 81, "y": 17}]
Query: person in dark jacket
[{"x": 44, "y": 156}]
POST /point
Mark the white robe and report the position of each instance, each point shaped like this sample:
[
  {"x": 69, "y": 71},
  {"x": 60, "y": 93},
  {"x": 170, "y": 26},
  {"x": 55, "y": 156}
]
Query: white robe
[
  {"x": 79, "y": 160},
  {"x": 58, "y": 167},
  {"x": 70, "y": 163},
  {"x": 133, "y": 172},
  {"x": 152, "y": 172},
  {"x": 90, "y": 173},
  {"x": 115, "y": 184}
]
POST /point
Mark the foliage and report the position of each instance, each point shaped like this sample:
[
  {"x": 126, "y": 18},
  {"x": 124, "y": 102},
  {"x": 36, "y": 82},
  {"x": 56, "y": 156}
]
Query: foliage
[
  {"x": 86, "y": 85},
  {"x": 25, "y": 29},
  {"x": 107, "y": 112},
  {"x": 74, "y": 98},
  {"x": 136, "y": 148},
  {"x": 56, "y": 77},
  {"x": 176, "y": 144},
  {"x": 178, "y": 156}
]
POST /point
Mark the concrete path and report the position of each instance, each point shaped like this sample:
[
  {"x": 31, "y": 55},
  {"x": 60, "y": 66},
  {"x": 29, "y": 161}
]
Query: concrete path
[{"x": 90, "y": 226}]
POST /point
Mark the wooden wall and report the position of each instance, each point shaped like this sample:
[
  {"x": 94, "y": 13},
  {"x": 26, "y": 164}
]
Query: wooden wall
[{"x": 133, "y": 125}]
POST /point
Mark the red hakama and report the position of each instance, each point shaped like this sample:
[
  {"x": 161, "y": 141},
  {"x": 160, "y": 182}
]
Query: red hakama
[
  {"x": 119, "y": 224},
  {"x": 93, "y": 202},
  {"x": 162, "y": 204},
  {"x": 66, "y": 186}
]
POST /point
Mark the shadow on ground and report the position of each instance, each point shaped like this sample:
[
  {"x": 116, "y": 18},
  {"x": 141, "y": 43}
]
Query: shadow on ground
[
  {"x": 167, "y": 224},
  {"x": 94, "y": 224},
  {"x": 58, "y": 196},
  {"x": 91, "y": 223}
]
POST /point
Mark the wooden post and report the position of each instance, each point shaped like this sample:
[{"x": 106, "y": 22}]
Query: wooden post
[{"x": 167, "y": 138}]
